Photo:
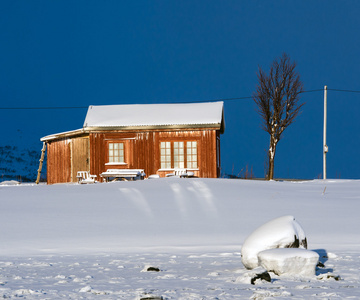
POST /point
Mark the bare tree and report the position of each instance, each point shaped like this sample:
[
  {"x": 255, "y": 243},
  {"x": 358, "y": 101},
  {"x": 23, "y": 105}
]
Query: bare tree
[{"x": 277, "y": 100}]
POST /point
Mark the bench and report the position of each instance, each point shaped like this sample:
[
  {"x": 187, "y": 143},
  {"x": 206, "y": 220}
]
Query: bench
[
  {"x": 182, "y": 173},
  {"x": 132, "y": 174}
]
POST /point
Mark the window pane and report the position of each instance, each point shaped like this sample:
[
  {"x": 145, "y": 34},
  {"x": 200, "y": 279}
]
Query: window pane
[
  {"x": 115, "y": 154},
  {"x": 191, "y": 152},
  {"x": 165, "y": 155},
  {"x": 178, "y": 154}
]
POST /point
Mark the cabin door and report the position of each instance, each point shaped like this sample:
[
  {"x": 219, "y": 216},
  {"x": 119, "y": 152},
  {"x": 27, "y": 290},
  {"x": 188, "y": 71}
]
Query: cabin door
[{"x": 80, "y": 156}]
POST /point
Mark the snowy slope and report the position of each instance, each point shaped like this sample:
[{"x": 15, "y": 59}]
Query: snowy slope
[
  {"x": 72, "y": 241},
  {"x": 173, "y": 212}
]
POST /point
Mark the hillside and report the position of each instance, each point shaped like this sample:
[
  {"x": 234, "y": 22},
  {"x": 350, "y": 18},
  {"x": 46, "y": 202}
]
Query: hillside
[{"x": 20, "y": 163}]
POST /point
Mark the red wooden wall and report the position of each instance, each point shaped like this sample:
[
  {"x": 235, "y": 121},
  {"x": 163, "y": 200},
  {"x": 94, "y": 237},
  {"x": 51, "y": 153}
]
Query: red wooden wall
[{"x": 142, "y": 151}]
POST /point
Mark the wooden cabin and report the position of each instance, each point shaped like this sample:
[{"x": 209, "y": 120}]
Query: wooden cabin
[{"x": 158, "y": 138}]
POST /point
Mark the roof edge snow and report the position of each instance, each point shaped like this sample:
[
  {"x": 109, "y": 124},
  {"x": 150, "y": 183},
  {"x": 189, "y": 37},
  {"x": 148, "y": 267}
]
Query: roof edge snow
[{"x": 64, "y": 134}]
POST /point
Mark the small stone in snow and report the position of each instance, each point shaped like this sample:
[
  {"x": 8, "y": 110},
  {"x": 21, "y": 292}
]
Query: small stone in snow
[
  {"x": 263, "y": 276},
  {"x": 153, "y": 269}
]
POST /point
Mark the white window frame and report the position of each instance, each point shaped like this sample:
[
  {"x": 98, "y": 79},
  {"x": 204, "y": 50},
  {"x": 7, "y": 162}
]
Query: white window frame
[
  {"x": 116, "y": 153},
  {"x": 176, "y": 155}
]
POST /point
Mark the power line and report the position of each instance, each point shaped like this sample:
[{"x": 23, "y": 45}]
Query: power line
[
  {"x": 49, "y": 107},
  {"x": 211, "y": 100},
  {"x": 311, "y": 91},
  {"x": 347, "y": 91}
]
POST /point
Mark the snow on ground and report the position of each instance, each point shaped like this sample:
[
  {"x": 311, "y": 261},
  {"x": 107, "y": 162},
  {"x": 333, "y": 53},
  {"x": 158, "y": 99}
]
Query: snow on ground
[{"x": 94, "y": 241}]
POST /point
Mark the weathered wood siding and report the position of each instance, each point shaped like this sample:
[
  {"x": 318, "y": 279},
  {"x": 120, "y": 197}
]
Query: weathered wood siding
[
  {"x": 58, "y": 161},
  {"x": 142, "y": 150},
  {"x": 65, "y": 157}
]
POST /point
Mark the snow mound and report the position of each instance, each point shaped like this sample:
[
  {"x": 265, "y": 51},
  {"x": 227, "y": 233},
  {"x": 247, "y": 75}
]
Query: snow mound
[
  {"x": 10, "y": 182},
  {"x": 283, "y": 232},
  {"x": 287, "y": 261}
]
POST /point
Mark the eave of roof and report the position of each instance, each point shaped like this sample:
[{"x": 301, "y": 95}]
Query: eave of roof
[{"x": 64, "y": 134}]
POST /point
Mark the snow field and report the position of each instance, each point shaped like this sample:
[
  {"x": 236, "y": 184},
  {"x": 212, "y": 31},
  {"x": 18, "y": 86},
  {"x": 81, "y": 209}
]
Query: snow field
[
  {"x": 214, "y": 275},
  {"x": 91, "y": 241}
]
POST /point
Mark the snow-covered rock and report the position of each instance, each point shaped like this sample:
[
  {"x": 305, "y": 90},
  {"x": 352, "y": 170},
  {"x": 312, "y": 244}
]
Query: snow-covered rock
[
  {"x": 288, "y": 261},
  {"x": 283, "y": 232}
]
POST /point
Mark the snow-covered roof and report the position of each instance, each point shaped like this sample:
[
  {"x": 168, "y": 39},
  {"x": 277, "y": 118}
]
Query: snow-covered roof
[
  {"x": 149, "y": 116},
  {"x": 209, "y": 114}
]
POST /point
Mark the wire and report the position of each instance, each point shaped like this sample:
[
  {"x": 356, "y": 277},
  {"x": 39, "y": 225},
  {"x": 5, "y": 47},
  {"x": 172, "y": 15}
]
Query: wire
[
  {"x": 55, "y": 107},
  {"x": 347, "y": 91},
  {"x": 311, "y": 91},
  {"x": 211, "y": 100}
]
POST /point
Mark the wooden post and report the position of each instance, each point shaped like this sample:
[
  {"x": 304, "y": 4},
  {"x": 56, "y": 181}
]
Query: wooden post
[{"x": 41, "y": 162}]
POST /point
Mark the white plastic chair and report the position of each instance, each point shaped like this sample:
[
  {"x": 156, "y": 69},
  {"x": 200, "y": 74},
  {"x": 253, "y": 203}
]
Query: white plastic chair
[{"x": 85, "y": 177}]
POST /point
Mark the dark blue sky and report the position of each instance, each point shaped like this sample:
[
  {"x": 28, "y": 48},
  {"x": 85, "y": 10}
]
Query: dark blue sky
[{"x": 78, "y": 53}]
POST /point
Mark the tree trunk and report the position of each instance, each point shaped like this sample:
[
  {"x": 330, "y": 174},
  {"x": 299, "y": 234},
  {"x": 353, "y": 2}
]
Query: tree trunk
[
  {"x": 270, "y": 174},
  {"x": 271, "y": 155}
]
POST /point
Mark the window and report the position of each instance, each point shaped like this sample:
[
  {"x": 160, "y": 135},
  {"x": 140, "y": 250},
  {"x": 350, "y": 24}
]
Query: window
[
  {"x": 178, "y": 155},
  {"x": 191, "y": 154},
  {"x": 165, "y": 155},
  {"x": 116, "y": 152}
]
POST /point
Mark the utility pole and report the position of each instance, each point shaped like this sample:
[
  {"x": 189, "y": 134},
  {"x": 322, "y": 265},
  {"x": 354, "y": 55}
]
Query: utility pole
[{"x": 325, "y": 149}]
